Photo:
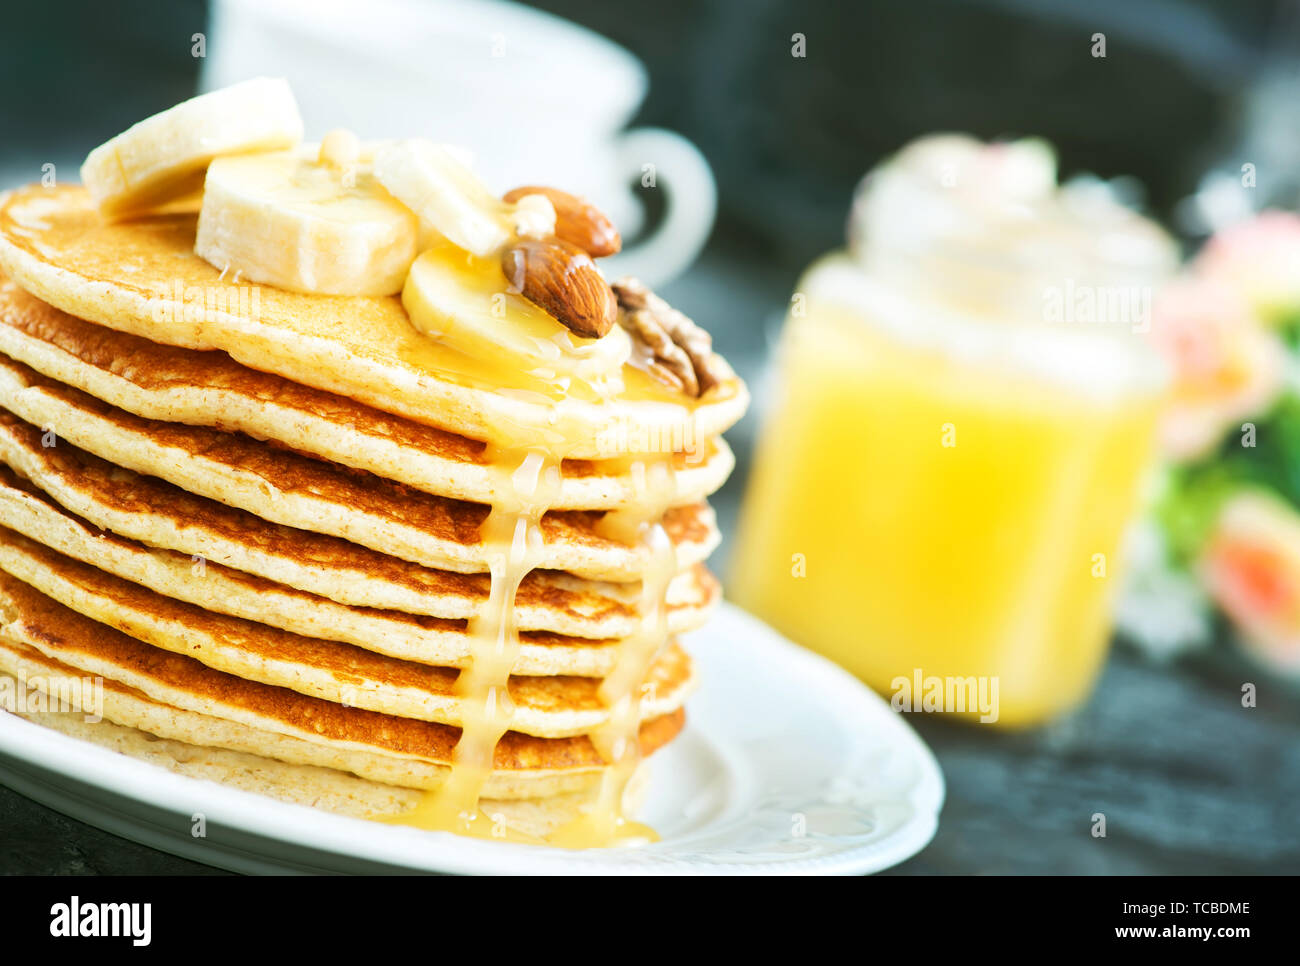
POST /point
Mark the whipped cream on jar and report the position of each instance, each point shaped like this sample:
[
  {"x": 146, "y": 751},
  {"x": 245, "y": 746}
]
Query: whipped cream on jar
[
  {"x": 986, "y": 229},
  {"x": 975, "y": 250}
]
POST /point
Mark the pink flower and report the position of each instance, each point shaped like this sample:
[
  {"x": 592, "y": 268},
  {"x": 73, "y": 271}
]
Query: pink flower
[
  {"x": 1260, "y": 258},
  {"x": 1226, "y": 365},
  {"x": 1251, "y": 567}
]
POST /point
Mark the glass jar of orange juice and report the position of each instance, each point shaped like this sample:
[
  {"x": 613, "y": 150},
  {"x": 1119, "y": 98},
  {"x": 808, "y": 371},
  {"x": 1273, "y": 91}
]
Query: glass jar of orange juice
[{"x": 963, "y": 417}]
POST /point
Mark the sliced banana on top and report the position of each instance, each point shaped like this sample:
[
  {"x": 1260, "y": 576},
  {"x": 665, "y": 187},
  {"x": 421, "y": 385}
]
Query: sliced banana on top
[
  {"x": 162, "y": 159},
  {"x": 465, "y": 302},
  {"x": 439, "y": 187},
  {"x": 314, "y": 220}
]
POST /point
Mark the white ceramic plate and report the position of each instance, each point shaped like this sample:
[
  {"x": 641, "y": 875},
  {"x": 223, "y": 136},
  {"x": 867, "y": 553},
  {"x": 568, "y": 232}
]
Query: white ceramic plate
[{"x": 787, "y": 765}]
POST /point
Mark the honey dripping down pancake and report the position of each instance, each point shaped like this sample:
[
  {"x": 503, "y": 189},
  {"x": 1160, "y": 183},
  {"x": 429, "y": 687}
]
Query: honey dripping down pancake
[
  {"x": 52, "y": 487},
  {"x": 438, "y": 642},
  {"x": 309, "y": 494},
  {"x": 550, "y": 706},
  {"x": 273, "y": 720},
  {"x": 406, "y": 364}
]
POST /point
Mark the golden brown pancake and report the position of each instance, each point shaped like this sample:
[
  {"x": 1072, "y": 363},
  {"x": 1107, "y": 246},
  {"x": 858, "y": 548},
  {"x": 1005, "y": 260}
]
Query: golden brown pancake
[
  {"x": 162, "y": 382},
  {"x": 426, "y": 640},
  {"x": 329, "y": 787},
  {"x": 305, "y": 493},
  {"x": 143, "y": 277},
  {"x": 555, "y": 706},
  {"x": 32, "y": 619},
  {"x": 263, "y": 519},
  {"x": 160, "y": 515}
]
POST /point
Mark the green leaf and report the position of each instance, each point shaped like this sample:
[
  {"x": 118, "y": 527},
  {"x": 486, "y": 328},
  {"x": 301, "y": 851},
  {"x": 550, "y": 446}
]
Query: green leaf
[{"x": 1189, "y": 506}]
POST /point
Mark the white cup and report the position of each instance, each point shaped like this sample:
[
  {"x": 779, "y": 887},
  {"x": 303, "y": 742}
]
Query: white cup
[{"x": 538, "y": 100}]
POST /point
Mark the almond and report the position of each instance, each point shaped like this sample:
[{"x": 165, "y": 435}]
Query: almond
[
  {"x": 562, "y": 279},
  {"x": 577, "y": 221},
  {"x": 666, "y": 343}
]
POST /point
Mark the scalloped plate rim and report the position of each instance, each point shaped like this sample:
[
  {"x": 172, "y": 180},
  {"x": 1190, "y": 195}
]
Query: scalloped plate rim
[{"x": 72, "y": 777}]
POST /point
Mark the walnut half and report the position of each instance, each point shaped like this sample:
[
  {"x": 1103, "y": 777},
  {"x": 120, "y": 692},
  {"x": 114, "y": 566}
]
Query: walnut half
[{"x": 669, "y": 345}]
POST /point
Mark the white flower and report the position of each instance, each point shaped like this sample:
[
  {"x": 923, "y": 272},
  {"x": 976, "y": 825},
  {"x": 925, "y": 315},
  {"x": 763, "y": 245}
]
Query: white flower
[{"x": 1260, "y": 258}]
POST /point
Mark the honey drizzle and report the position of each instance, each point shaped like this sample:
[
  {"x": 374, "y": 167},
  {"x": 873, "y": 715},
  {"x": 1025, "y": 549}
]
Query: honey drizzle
[
  {"x": 513, "y": 538},
  {"x": 527, "y": 481},
  {"x": 602, "y": 822}
]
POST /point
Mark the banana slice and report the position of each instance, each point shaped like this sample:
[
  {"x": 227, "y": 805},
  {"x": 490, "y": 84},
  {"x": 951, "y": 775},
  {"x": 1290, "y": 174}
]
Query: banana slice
[
  {"x": 162, "y": 159},
  {"x": 309, "y": 222},
  {"x": 464, "y": 302},
  {"x": 433, "y": 182}
]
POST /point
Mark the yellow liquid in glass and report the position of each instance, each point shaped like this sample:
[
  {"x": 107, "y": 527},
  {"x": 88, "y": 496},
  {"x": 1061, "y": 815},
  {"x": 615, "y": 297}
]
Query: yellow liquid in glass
[{"x": 911, "y": 510}]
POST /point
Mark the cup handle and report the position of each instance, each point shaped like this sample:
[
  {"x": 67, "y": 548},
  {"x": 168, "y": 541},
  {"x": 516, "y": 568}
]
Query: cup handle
[{"x": 679, "y": 169}]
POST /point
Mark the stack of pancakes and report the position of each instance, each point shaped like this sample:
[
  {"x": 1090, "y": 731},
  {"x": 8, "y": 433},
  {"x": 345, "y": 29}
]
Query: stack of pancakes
[{"x": 261, "y": 527}]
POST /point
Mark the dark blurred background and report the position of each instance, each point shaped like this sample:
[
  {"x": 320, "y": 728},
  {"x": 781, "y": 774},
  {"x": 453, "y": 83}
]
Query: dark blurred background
[
  {"x": 1186, "y": 87},
  {"x": 787, "y": 137}
]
